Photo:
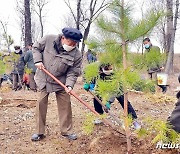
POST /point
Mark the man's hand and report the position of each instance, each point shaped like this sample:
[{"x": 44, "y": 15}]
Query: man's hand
[
  {"x": 40, "y": 65},
  {"x": 68, "y": 89}
]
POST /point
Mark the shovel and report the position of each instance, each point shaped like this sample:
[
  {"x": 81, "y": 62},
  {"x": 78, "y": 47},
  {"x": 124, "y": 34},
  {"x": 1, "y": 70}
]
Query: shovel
[
  {"x": 83, "y": 102},
  {"x": 106, "y": 110}
]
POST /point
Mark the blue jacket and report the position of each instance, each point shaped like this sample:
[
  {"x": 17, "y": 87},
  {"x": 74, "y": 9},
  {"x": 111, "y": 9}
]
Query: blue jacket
[{"x": 28, "y": 59}]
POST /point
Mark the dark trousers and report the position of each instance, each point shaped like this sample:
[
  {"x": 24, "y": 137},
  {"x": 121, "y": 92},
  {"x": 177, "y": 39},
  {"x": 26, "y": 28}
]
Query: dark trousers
[
  {"x": 32, "y": 83},
  {"x": 153, "y": 76},
  {"x": 17, "y": 81},
  {"x": 131, "y": 110}
]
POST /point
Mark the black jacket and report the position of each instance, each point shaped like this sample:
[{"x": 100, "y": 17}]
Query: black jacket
[
  {"x": 19, "y": 64},
  {"x": 174, "y": 119}
]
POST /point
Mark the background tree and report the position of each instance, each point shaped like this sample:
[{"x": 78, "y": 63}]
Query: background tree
[
  {"x": 85, "y": 14},
  {"x": 35, "y": 30},
  {"x": 159, "y": 32},
  {"x": 169, "y": 23},
  {"x": 27, "y": 20},
  {"x": 171, "y": 33},
  {"x": 118, "y": 31},
  {"x": 6, "y": 37},
  {"x": 38, "y": 8},
  {"x": 21, "y": 20},
  {"x": 167, "y": 29}
]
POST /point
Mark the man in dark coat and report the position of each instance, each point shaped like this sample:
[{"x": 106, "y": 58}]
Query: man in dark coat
[
  {"x": 60, "y": 55},
  {"x": 18, "y": 71}
]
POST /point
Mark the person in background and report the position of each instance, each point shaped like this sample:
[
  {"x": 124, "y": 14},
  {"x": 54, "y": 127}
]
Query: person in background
[
  {"x": 17, "y": 73},
  {"x": 174, "y": 118},
  {"x": 153, "y": 70},
  {"x": 105, "y": 73},
  {"x": 91, "y": 57},
  {"x": 28, "y": 59},
  {"x": 6, "y": 77}
]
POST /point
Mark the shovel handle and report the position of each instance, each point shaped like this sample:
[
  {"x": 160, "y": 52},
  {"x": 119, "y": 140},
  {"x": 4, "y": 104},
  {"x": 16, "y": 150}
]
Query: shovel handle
[
  {"x": 106, "y": 110},
  {"x": 99, "y": 101},
  {"x": 80, "y": 100}
]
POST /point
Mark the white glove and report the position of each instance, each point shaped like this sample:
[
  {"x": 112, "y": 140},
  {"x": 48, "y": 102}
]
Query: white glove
[
  {"x": 39, "y": 65},
  {"x": 68, "y": 89},
  {"x": 162, "y": 68}
]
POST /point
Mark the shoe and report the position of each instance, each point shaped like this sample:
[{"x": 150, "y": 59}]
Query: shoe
[
  {"x": 97, "y": 122},
  {"x": 70, "y": 136},
  {"x": 136, "y": 125},
  {"x": 18, "y": 88},
  {"x": 14, "y": 89},
  {"x": 164, "y": 89},
  {"x": 37, "y": 137}
]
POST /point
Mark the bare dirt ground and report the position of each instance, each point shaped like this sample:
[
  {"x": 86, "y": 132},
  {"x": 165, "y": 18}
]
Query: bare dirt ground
[{"x": 17, "y": 124}]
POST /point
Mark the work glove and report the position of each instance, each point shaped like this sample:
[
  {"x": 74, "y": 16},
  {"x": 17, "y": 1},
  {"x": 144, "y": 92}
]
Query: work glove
[
  {"x": 91, "y": 86},
  {"x": 108, "y": 105},
  {"x": 86, "y": 86},
  {"x": 68, "y": 89}
]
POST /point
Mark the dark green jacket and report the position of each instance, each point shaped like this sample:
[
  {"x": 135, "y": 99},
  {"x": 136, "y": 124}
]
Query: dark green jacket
[{"x": 154, "y": 61}]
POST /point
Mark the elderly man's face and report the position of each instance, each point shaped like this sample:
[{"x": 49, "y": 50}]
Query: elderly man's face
[{"x": 68, "y": 42}]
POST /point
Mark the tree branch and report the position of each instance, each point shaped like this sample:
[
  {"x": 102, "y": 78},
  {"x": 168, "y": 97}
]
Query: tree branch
[
  {"x": 99, "y": 13},
  {"x": 100, "y": 10},
  {"x": 70, "y": 8}
]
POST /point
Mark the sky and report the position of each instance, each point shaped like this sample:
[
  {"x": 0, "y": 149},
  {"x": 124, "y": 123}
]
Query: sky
[{"x": 56, "y": 11}]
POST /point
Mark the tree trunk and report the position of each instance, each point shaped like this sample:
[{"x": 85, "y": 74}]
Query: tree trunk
[
  {"x": 169, "y": 28},
  {"x": 142, "y": 46},
  {"x": 85, "y": 36},
  {"x": 28, "y": 38},
  {"x": 82, "y": 18},
  {"x": 41, "y": 23},
  {"x": 169, "y": 63},
  {"x": 78, "y": 14},
  {"x": 128, "y": 133},
  {"x": 164, "y": 36},
  {"x": 22, "y": 33}
]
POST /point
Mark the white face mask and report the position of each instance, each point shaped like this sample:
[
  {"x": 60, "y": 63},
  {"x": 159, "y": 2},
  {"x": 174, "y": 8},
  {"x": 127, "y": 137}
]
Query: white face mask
[
  {"x": 17, "y": 51},
  {"x": 107, "y": 72},
  {"x": 67, "y": 47}
]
